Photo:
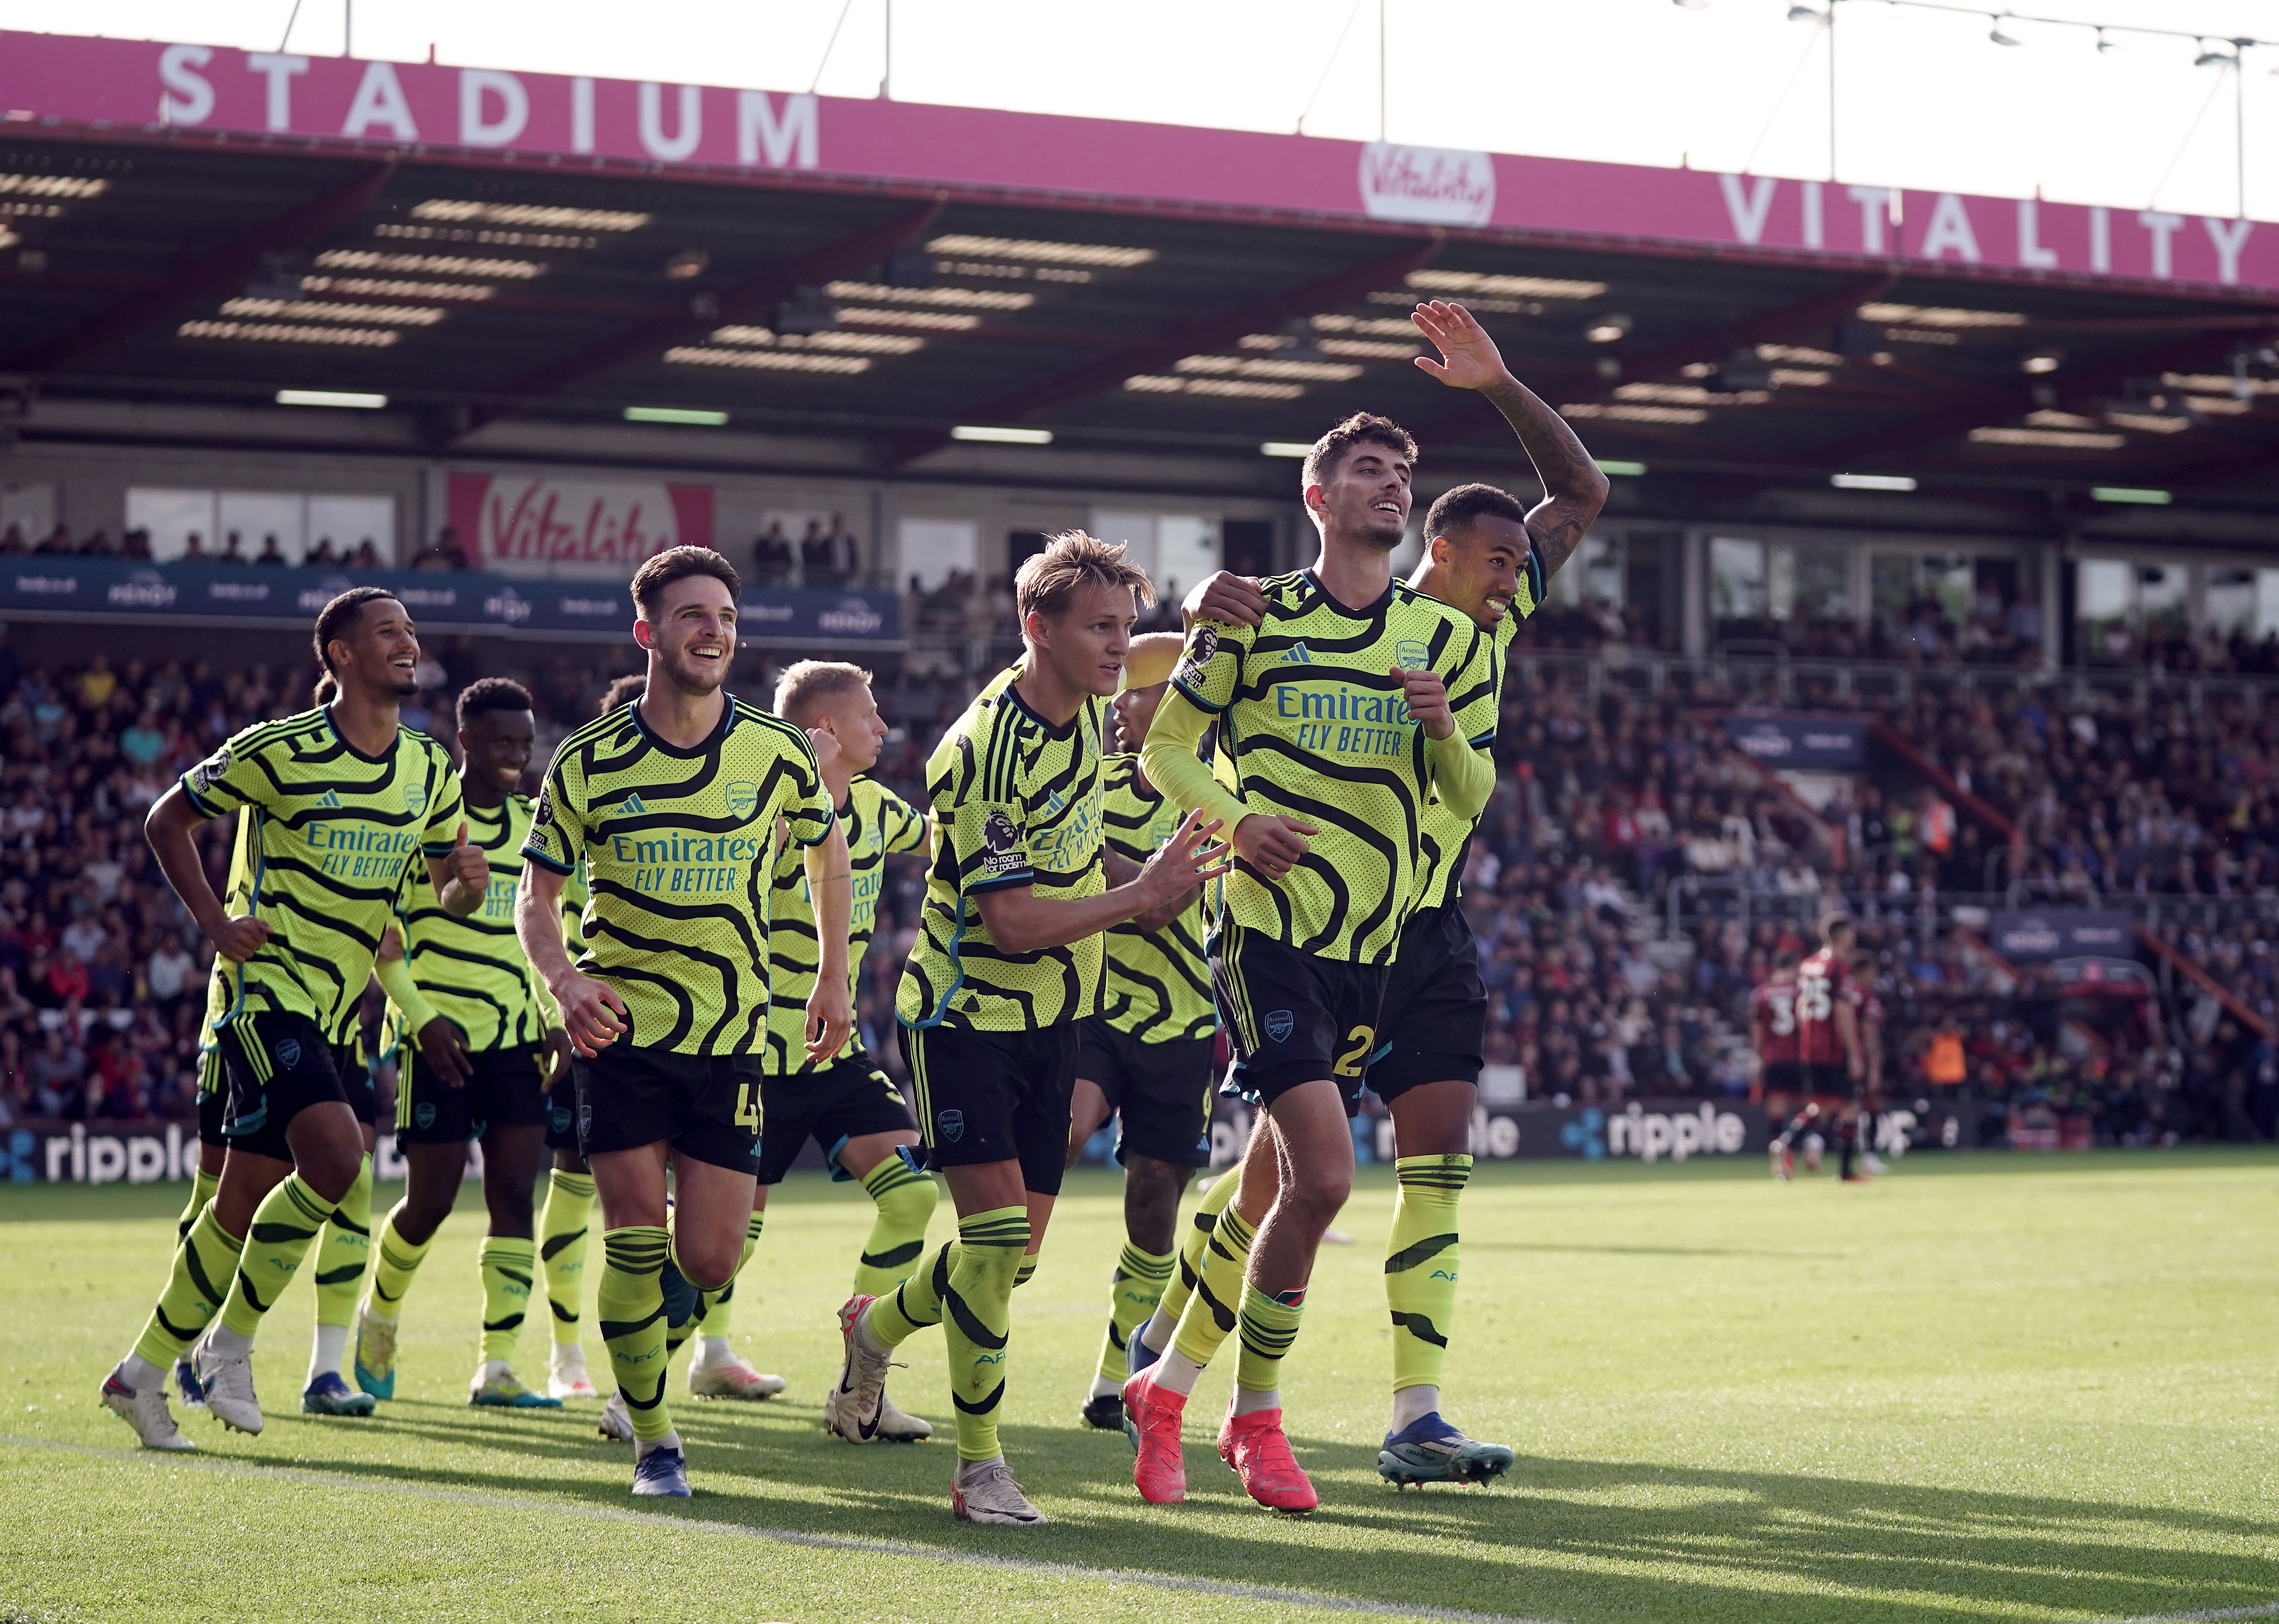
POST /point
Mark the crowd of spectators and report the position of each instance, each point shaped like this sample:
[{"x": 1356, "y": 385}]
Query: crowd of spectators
[{"x": 1614, "y": 818}]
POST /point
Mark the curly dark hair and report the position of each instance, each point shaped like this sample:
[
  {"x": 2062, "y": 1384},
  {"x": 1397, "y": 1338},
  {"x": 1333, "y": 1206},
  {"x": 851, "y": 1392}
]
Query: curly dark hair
[{"x": 492, "y": 694}]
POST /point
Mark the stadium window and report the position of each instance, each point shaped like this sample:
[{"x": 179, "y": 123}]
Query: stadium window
[
  {"x": 2266, "y": 603},
  {"x": 931, "y": 548},
  {"x": 2229, "y": 599},
  {"x": 1176, "y": 549},
  {"x": 1737, "y": 580},
  {"x": 301, "y": 521}
]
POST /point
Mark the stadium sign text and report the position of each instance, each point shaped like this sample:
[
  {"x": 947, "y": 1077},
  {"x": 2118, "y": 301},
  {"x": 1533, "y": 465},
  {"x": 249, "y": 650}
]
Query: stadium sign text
[
  {"x": 100, "y": 589},
  {"x": 68, "y": 82}
]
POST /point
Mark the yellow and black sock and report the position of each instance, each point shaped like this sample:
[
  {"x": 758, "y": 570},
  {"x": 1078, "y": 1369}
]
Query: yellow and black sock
[
  {"x": 204, "y": 1266},
  {"x": 978, "y": 1322},
  {"x": 344, "y": 1252},
  {"x": 202, "y": 1189},
  {"x": 507, "y": 1264},
  {"x": 1025, "y": 1272},
  {"x": 285, "y": 1226},
  {"x": 1210, "y": 1314},
  {"x": 630, "y": 1305},
  {"x": 397, "y": 1263},
  {"x": 717, "y": 1312},
  {"x": 917, "y": 1303},
  {"x": 1420, "y": 1265},
  {"x": 1134, "y": 1291},
  {"x": 562, "y": 1226},
  {"x": 1181, "y": 1285},
  {"x": 905, "y": 1200},
  {"x": 1269, "y": 1325}
]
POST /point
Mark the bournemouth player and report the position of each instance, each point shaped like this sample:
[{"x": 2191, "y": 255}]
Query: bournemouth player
[
  {"x": 843, "y": 1101},
  {"x": 1773, "y": 1039},
  {"x": 1335, "y": 726},
  {"x": 485, "y": 1047},
  {"x": 1008, "y": 964},
  {"x": 1147, "y": 1058},
  {"x": 673, "y": 804},
  {"x": 1828, "y": 1053},
  {"x": 567, "y": 1216},
  {"x": 336, "y": 800}
]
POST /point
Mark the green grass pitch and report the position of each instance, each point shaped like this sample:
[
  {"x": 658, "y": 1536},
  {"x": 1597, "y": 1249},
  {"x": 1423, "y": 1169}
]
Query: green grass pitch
[{"x": 1982, "y": 1388}]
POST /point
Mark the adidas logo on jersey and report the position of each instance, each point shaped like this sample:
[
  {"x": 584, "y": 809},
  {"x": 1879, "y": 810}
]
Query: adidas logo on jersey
[
  {"x": 1297, "y": 655},
  {"x": 633, "y": 808},
  {"x": 329, "y": 799}
]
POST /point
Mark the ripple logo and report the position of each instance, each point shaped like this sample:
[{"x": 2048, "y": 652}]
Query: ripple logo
[
  {"x": 1587, "y": 1135},
  {"x": 508, "y": 605}
]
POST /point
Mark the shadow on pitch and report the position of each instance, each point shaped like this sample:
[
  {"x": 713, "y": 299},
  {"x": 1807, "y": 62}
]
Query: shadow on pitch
[{"x": 1555, "y": 1540}]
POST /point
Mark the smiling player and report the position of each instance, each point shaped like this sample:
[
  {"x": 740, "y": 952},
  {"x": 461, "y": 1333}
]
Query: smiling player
[
  {"x": 673, "y": 803},
  {"x": 485, "y": 1044},
  {"x": 1352, "y": 701},
  {"x": 334, "y": 803}
]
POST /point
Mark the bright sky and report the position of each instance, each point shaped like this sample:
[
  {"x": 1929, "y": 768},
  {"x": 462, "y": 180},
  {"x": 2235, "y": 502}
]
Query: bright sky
[{"x": 1925, "y": 100}]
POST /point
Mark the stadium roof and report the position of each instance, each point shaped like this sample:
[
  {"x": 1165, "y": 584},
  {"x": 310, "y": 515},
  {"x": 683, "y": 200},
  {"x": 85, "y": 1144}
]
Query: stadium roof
[{"x": 974, "y": 282}]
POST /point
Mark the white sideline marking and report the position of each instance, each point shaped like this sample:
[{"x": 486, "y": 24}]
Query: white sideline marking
[
  {"x": 2263, "y": 1610},
  {"x": 531, "y": 1503}
]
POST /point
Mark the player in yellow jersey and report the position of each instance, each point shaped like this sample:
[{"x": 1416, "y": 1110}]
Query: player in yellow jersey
[
  {"x": 567, "y": 1215},
  {"x": 1146, "y": 1057},
  {"x": 1352, "y": 702},
  {"x": 673, "y": 804},
  {"x": 485, "y": 1044},
  {"x": 1008, "y": 964},
  {"x": 1487, "y": 555},
  {"x": 333, "y": 804},
  {"x": 842, "y": 1102}
]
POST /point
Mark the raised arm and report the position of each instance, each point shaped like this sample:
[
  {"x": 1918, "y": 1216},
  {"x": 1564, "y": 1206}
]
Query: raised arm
[
  {"x": 461, "y": 877},
  {"x": 1574, "y": 489}
]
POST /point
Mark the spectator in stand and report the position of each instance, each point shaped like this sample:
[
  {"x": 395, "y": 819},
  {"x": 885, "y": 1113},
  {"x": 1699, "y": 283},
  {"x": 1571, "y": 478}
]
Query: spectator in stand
[
  {"x": 771, "y": 555},
  {"x": 271, "y": 553},
  {"x": 444, "y": 552},
  {"x": 170, "y": 973},
  {"x": 58, "y": 1073}
]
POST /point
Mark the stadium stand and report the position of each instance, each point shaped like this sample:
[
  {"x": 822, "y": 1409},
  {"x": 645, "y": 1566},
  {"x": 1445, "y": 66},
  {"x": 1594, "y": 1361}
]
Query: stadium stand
[{"x": 1630, "y": 883}]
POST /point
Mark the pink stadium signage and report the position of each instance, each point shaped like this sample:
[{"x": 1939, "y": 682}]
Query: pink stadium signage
[{"x": 61, "y": 83}]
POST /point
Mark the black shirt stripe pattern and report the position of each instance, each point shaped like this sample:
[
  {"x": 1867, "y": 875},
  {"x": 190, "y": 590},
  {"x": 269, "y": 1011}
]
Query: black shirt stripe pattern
[
  {"x": 676, "y": 845},
  {"x": 323, "y": 835},
  {"x": 1159, "y": 986},
  {"x": 1015, "y": 801}
]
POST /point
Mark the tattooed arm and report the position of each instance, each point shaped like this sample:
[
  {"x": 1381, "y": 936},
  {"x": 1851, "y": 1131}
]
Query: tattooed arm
[{"x": 1574, "y": 489}]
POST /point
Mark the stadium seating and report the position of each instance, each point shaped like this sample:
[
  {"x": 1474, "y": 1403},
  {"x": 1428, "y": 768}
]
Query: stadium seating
[{"x": 1631, "y": 883}]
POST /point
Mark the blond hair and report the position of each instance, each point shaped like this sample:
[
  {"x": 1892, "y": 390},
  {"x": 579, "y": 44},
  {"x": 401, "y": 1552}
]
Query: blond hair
[
  {"x": 1048, "y": 584},
  {"x": 807, "y": 686}
]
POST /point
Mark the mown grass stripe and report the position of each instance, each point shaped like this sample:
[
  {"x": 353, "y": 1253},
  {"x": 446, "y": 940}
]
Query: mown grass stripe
[{"x": 535, "y": 1506}]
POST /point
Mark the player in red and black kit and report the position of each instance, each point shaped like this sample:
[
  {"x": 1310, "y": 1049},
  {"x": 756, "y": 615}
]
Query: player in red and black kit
[
  {"x": 1827, "y": 1032},
  {"x": 1773, "y": 1038},
  {"x": 1772, "y": 1029}
]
